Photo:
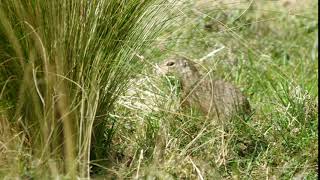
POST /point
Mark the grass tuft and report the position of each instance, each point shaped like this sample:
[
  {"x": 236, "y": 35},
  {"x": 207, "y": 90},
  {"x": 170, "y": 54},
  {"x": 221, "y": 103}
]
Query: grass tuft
[{"x": 63, "y": 65}]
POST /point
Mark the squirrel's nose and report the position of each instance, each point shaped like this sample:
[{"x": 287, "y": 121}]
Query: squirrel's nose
[{"x": 159, "y": 71}]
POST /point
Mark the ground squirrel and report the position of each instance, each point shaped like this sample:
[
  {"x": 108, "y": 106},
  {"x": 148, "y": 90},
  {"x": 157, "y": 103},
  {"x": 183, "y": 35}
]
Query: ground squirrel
[{"x": 214, "y": 97}]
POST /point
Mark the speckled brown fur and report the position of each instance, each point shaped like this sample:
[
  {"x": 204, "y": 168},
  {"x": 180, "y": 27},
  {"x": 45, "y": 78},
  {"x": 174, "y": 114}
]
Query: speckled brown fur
[{"x": 214, "y": 97}]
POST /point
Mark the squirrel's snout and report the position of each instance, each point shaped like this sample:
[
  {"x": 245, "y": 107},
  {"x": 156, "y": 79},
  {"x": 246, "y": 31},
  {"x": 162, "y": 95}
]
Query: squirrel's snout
[{"x": 161, "y": 71}]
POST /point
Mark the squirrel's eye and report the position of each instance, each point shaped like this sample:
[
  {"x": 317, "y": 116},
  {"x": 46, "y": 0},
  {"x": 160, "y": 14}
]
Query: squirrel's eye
[{"x": 171, "y": 63}]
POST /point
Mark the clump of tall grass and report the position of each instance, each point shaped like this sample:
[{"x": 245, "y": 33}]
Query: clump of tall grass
[{"x": 62, "y": 66}]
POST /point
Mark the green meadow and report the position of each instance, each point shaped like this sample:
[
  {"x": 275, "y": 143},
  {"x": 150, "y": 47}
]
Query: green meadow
[{"x": 80, "y": 96}]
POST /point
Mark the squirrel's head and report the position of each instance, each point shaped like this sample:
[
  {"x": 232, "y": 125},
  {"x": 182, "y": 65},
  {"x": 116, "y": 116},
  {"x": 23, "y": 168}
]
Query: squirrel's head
[{"x": 178, "y": 66}]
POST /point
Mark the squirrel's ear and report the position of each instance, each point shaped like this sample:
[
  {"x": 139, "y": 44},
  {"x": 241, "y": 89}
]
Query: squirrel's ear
[{"x": 185, "y": 64}]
